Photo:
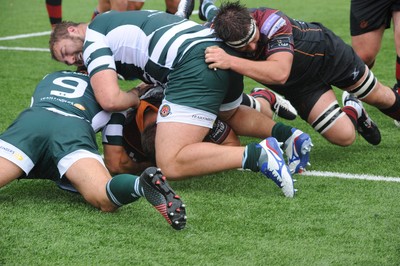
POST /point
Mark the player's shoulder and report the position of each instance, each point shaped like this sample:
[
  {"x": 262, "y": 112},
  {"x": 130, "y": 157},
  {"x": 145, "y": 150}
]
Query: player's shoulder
[{"x": 66, "y": 73}]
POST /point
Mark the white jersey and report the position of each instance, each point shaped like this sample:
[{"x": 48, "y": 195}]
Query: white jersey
[{"x": 141, "y": 44}]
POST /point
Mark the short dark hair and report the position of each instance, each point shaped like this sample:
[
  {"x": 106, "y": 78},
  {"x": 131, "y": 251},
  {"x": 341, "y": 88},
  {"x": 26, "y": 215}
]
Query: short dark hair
[{"x": 232, "y": 21}]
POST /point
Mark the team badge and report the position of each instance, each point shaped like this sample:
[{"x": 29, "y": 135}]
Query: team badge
[
  {"x": 165, "y": 110},
  {"x": 363, "y": 24}
]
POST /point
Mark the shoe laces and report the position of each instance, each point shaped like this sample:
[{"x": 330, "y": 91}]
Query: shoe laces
[{"x": 280, "y": 103}]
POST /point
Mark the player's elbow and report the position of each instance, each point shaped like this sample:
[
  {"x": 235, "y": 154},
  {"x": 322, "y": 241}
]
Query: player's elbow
[
  {"x": 110, "y": 105},
  {"x": 281, "y": 77}
]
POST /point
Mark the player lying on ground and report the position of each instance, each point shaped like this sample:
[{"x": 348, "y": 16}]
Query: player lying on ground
[
  {"x": 67, "y": 149},
  {"x": 194, "y": 95}
]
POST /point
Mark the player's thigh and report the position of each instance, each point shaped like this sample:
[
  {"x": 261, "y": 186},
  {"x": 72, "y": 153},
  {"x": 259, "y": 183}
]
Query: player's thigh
[
  {"x": 367, "y": 45},
  {"x": 90, "y": 177},
  {"x": 172, "y": 137},
  {"x": 8, "y": 171}
]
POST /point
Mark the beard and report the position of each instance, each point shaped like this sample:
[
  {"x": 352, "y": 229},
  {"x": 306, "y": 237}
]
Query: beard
[{"x": 78, "y": 43}]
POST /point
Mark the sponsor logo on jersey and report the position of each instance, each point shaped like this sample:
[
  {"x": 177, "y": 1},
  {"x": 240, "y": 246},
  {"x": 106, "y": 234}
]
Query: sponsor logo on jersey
[
  {"x": 8, "y": 150},
  {"x": 165, "y": 110},
  {"x": 279, "y": 43},
  {"x": 201, "y": 117},
  {"x": 18, "y": 156},
  {"x": 355, "y": 73},
  {"x": 80, "y": 106},
  {"x": 272, "y": 25},
  {"x": 363, "y": 24},
  {"x": 15, "y": 154}
]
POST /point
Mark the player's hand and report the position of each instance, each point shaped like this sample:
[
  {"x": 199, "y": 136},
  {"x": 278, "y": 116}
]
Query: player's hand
[
  {"x": 142, "y": 88},
  {"x": 136, "y": 97},
  {"x": 216, "y": 58}
]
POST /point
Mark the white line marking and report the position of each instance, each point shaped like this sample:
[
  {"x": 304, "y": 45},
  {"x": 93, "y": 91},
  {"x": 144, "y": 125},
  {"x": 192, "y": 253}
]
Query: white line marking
[
  {"x": 30, "y": 49},
  {"x": 351, "y": 176},
  {"x": 25, "y": 35}
]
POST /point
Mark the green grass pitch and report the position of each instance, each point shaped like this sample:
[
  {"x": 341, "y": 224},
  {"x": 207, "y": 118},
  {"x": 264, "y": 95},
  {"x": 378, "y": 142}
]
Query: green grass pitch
[{"x": 234, "y": 217}]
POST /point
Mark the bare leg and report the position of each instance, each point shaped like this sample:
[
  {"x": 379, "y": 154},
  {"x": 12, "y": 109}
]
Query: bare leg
[
  {"x": 341, "y": 131},
  {"x": 381, "y": 96},
  {"x": 90, "y": 177},
  {"x": 119, "y": 5},
  {"x": 180, "y": 152},
  {"x": 133, "y": 5},
  {"x": 8, "y": 172},
  {"x": 246, "y": 121},
  {"x": 172, "y": 6},
  {"x": 367, "y": 45}
]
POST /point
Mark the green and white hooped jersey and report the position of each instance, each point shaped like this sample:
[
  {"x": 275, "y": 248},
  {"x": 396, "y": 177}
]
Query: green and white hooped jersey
[
  {"x": 141, "y": 44},
  {"x": 70, "y": 94}
]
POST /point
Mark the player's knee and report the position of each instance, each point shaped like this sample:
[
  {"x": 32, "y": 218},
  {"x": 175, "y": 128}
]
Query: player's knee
[
  {"x": 368, "y": 57},
  {"x": 344, "y": 138},
  {"x": 334, "y": 126},
  {"x": 101, "y": 202},
  {"x": 172, "y": 171},
  {"x": 107, "y": 208},
  {"x": 106, "y": 205}
]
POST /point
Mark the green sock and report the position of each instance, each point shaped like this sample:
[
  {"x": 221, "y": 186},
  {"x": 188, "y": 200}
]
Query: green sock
[
  {"x": 251, "y": 156},
  {"x": 123, "y": 189},
  {"x": 210, "y": 10},
  {"x": 281, "y": 132}
]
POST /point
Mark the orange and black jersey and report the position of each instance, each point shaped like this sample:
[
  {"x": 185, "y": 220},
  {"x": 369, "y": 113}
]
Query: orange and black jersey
[{"x": 134, "y": 127}]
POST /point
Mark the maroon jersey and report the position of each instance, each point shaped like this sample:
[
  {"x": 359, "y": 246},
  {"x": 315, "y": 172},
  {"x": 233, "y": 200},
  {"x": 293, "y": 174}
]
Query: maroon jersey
[
  {"x": 320, "y": 58},
  {"x": 279, "y": 33}
]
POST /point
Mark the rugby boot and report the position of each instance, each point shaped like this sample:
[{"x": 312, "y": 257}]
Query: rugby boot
[
  {"x": 365, "y": 126},
  {"x": 158, "y": 192},
  {"x": 297, "y": 148},
  {"x": 279, "y": 105},
  {"x": 272, "y": 164}
]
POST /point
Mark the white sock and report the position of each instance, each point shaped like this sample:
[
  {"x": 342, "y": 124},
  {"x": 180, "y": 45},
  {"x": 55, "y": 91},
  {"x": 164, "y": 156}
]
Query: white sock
[{"x": 355, "y": 105}]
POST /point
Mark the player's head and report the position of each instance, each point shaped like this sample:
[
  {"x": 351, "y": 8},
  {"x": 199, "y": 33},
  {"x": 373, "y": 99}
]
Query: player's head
[
  {"x": 236, "y": 27},
  {"x": 66, "y": 44}
]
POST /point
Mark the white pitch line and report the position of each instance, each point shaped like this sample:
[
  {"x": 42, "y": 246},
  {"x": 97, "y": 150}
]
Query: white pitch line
[
  {"x": 30, "y": 49},
  {"x": 351, "y": 176},
  {"x": 25, "y": 35}
]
